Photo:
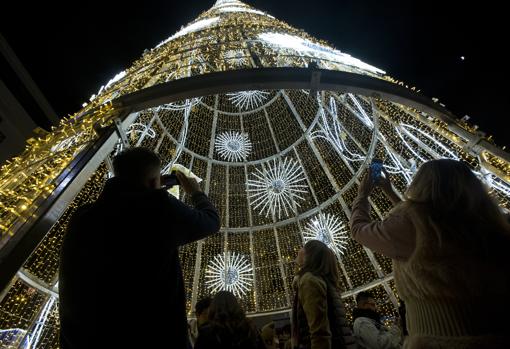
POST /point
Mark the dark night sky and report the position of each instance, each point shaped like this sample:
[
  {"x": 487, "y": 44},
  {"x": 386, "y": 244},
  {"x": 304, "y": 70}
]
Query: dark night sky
[{"x": 71, "y": 51}]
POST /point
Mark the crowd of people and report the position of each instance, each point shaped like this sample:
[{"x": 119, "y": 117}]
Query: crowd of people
[{"x": 447, "y": 238}]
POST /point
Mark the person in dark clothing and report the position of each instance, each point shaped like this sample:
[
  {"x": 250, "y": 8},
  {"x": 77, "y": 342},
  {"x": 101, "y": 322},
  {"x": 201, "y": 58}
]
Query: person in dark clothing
[
  {"x": 402, "y": 315},
  {"x": 284, "y": 340},
  {"x": 228, "y": 327},
  {"x": 318, "y": 313},
  {"x": 202, "y": 314},
  {"x": 120, "y": 281},
  {"x": 269, "y": 335}
]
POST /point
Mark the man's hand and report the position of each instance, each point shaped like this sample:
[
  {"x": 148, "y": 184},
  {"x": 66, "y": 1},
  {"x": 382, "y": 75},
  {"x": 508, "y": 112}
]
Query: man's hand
[{"x": 189, "y": 185}]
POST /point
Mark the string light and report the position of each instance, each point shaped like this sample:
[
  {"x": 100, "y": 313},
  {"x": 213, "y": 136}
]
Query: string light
[{"x": 261, "y": 223}]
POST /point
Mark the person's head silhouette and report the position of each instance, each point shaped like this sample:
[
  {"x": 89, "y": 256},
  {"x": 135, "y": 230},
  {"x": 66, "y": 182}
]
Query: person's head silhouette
[{"x": 138, "y": 167}]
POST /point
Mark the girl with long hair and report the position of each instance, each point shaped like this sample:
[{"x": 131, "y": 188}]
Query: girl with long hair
[
  {"x": 228, "y": 327},
  {"x": 318, "y": 314},
  {"x": 449, "y": 243}
]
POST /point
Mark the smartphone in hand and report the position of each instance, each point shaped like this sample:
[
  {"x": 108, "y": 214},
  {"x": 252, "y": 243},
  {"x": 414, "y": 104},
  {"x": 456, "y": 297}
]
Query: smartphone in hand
[
  {"x": 169, "y": 180},
  {"x": 376, "y": 169}
]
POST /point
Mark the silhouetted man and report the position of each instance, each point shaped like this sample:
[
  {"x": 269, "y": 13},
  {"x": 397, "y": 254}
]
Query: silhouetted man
[{"x": 120, "y": 280}]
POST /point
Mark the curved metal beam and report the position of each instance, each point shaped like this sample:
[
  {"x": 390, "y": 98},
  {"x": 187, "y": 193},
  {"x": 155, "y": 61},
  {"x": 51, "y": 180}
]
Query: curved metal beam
[{"x": 294, "y": 78}]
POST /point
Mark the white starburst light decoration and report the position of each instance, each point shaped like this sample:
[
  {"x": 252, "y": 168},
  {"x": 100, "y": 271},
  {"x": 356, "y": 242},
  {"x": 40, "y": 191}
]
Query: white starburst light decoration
[
  {"x": 276, "y": 190},
  {"x": 233, "y": 146},
  {"x": 236, "y": 58},
  {"x": 246, "y": 100},
  {"x": 230, "y": 272},
  {"x": 328, "y": 229}
]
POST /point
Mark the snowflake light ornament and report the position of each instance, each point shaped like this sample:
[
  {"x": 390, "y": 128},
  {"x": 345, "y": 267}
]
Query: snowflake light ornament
[
  {"x": 246, "y": 100},
  {"x": 329, "y": 230},
  {"x": 277, "y": 189},
  {"x": 233, "y": 146},
  {"x": 230, "y": 272}
]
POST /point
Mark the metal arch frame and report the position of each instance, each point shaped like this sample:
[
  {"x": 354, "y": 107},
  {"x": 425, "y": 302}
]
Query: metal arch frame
[
  {"x": 295, "y": 78},
  {"x": 26, "y": 239}
]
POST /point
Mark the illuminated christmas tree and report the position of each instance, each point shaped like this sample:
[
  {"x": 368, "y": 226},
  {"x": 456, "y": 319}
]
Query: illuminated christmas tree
[{"x": 279, "y": 125}]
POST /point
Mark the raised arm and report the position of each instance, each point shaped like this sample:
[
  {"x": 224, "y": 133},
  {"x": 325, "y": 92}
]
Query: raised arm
[
  {"x": 393, "y": 237},
  {"x": 193, "y": 223}
]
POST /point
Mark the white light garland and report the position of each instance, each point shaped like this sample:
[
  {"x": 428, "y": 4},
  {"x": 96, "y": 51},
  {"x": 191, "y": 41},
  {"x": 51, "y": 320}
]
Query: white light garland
[
  {"x": 187, "y": 104},
  {"x": 493, "y": 181},
  {"x": 407, "y": 168},
  {"x": 199, "y": 25},
  {"x": 306, "y": 47},
  {"x": 242, "y": 9},
  {"x": 114, "y": 80},
  {"x": 33, "y": 338},
  {"x": 219, "y": 3},
  {"x": 331, "y": 130},
  {"x": 362, "y": 114},
  {"x": 413, "y": 133}
]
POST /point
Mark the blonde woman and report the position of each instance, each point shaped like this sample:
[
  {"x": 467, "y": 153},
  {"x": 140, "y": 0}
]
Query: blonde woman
[{"x": 449, "y": 243}]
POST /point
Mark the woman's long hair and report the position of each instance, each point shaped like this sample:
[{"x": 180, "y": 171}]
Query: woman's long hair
[
  {"x": 227, "y": 315},
  {"x": 320, "y": 261},
  {"x": 451, "y": 200}
]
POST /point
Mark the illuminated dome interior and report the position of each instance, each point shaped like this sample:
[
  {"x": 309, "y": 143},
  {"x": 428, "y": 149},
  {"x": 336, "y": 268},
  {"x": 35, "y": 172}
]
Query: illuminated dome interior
[{"x": 281, "y": 163}]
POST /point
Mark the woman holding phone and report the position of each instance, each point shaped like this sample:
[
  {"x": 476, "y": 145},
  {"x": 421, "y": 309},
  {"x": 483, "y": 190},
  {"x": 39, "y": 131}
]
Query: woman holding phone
[{"x": 448, "y": 240}]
